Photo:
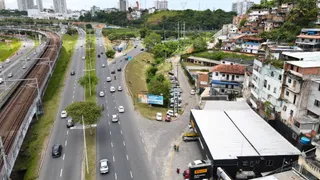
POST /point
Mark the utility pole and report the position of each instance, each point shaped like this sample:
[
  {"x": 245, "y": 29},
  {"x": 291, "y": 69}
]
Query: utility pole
[
  {"x": 178, "y": 34},
  {"x": 4, "y": 160},
  {"x": 184, "y": 34}
]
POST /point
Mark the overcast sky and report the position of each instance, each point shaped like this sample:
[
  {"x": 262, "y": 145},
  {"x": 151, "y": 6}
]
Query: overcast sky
[{"x": 173, "y": 4}]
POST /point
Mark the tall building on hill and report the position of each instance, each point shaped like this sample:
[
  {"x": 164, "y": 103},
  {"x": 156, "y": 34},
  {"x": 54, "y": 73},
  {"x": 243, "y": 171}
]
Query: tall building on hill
[
  {"x": 22, "y": 5},
  {"x": 40, "y": 5},
  {"x": 241, "y": 6},
  {"x": 2, "y": 5},
  {"x": 122, "y": 5},
  {"x": 60, "y": 6},
  {"x": 161, "y": 4}
]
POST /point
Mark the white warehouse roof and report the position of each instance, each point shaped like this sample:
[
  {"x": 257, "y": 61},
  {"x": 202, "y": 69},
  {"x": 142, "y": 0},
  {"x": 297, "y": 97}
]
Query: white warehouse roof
[{"x": 234, "y": 133}]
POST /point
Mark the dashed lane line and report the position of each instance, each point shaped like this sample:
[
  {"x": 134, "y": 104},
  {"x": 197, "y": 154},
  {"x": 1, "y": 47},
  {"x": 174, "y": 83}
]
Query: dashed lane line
[
  {"x": 65, "y": 143},
  {"x": 61, "y": 172}
]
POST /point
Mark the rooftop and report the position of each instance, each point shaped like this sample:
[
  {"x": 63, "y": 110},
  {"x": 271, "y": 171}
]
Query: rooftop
[
  {"x": 309, "y": 29},
  {"x": 287, "y": 175},
  {"x": 305, "y": 56},
  {"x": 238, "y": 136},
  {"x": 225, "y": 105},
  {"x": 231, "y": 69},
  {"x": 308, "y": 36},
  {"x": 204, "y": 59},
  {"x": 305, "y": 64}
]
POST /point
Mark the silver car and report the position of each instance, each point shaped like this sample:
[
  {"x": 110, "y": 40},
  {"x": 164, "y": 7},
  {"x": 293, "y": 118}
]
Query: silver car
[
  {"x": 115, "y": 118},
  {"x": 104, "y": 168}
]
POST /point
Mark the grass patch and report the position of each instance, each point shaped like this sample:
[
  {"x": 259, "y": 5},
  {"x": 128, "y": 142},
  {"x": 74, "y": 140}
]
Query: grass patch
[
  {"x": 91, "y": 139},
  {"x": 9, "y": 49},
  {"x": 157, "y": 17},
  {"x": 38, "y": 133},
  {"x": 136, "y": 82}
]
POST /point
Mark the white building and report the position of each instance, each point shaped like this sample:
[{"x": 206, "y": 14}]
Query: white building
[
  {"x": 122, "y": 5},
  {"x": 313, "y": 105},
  {"x": 34, "y": 13},
  {"x": 94, "y": 9},
  {"x": 161, "y": 4},
  {"x": 241, "y": 7},
  {"x": 228, "y": 29},
  {"x": 22, "y": 5},
  {"x": 2, "y": 5},
  {"x": 60, "y": 6},
  {"x": 227, "y": 79},
  {"x": 40, "y": 5}
]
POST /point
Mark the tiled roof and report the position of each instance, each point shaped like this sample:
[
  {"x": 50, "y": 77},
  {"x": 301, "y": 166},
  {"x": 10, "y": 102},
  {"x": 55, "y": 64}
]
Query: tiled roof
[
  {"x": 231, "y": 69},
  {"x": 308, "y": 36}
]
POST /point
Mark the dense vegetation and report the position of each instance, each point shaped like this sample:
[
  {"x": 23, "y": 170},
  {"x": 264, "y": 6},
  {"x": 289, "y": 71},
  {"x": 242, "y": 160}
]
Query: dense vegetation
[
  {"x": 4, "y": 12},
  {"x": 195, "y": 20}
]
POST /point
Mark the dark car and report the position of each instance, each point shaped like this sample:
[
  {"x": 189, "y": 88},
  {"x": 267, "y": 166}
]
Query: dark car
[
  {"x": 141, "y": 49},
  {"x": 113, "y": 72},
  {"x": 101, "y": 52},
  {"x": 135, "y": 46},
  {"x": 119, "y": 69},
  {"x": 70, "y": 123},
  {"x": 98, "y": 55},
  {"x": 56, "y": 150},
  {"x": 126, "y": 58},
  {"x": 72, "y": 73}
]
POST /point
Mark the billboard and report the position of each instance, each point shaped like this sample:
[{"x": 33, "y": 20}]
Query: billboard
[{"x": 150, "y": 99}]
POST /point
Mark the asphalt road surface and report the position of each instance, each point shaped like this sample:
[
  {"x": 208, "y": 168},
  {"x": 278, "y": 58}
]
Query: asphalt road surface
[
  {"x": 24, "y": 58},
  {"x": 120, "y": 142},
  {"x": 69, "y": 165}
]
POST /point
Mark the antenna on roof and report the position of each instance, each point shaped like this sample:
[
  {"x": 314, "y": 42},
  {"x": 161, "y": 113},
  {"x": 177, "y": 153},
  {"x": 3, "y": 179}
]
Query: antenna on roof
[{"x": 183, "y": 4}]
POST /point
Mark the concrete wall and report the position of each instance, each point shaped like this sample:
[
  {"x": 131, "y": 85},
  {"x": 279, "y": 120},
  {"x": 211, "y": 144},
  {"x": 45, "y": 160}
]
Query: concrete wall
[{"x": 314, "y": 95}]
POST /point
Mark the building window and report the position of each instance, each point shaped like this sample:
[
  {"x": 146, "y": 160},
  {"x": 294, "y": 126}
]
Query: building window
[
  {"x": 268, "y": 86},
  {"x": 237, "y": 76},
  {"x": 279, "y": 77},
  {"x": 274, "y": 90},
  {"x": 223, "y": 75},
  {"x": 269, "y": 163},
  {"x": 287, "y": 93},
  {"x": 319, "y": 88},
  {"x": 289, "y": 81},
  {"x": 317, "y": 103},
  {"x": 265, "y": 83},
  {"x": 284, "y": 108},
  {"x": 223, "y": 62},
  {"x": 272, "y": 74},
  {"x": 291, "y": 112},
  {"x": 291, "y": 67},
  {"x": 231, "y": 63},
  {"x": 294, "y": 136},
  {"x": 217, "y": 74}
]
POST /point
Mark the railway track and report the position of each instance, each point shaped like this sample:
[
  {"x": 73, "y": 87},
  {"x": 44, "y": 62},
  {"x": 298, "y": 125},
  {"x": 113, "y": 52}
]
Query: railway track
[{"x": 16, "y": 109}]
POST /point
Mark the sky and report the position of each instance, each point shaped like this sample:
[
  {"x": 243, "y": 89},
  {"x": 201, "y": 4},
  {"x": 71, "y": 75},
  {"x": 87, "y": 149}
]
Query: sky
[{"x": 172, "y": 4}]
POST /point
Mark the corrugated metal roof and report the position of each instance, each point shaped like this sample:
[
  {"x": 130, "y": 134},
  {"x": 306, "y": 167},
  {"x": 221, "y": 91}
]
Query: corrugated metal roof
[
  {"x": 306, "y": 56},
  {"x": 305, "y": 64}
]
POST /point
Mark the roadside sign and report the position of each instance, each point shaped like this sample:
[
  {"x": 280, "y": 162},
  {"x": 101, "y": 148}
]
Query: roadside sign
[{"x": 130, "y": 58}]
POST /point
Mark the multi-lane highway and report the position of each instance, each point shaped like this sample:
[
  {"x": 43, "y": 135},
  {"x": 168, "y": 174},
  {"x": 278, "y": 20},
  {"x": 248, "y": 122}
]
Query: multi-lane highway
[
  {"x": 120, "y": 142},
  {"x": 19, "y": 63},
  {"x": 69, "y": 165}
]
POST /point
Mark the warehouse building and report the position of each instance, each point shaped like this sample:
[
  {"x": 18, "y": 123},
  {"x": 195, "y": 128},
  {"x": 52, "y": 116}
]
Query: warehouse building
[{"x": 236, "y": 139}]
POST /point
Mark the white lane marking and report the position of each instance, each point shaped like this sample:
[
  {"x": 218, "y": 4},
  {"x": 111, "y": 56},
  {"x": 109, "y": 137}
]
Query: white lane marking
[
  {"x": 140, "y": 133},
  {"x": 142, "y": 141},
  {"x": 145, "y": 149},
  {"x": 114, "y": 100},
  {"x": 121, "y": 131},
  {"x": 109, "y": 123},
  {"x": 113, "y": 159},
  {"x": 124, "y": 143},
  {"x": 73, "y": 96},
  {"x": 115, "y": 176},
  {"x": 119, "y": 122},
  {"x": 131, "y": 174},
  {"x": 111, "y": 144},
  {"x": 61, "y": 172},
  {"x": 110, "y": 133},
  {"x": 127, "y": 157},
  {"x": 108, "y": 115},
  {"x": 65, "y": 143},
  {"x": 67, "y": 132},
  {"x": 106, "y": 101},
  {"x": 64, "y": 156},
  {"x": 107, "y": 107}
]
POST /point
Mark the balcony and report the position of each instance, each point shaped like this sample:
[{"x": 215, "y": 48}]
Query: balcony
[
  {"x": 255, "y": 93},
  {"x": 307, "y": 41},
  {"x": 311, "y": 165},
  {"x": 255, "y": 82}
]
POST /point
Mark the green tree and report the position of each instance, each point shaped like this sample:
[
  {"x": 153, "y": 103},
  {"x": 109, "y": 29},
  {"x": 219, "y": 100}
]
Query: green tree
[
  {"x": 159, "y": 50},
  {"x": 160, "y": 87},
  {"x": 243, "y": 22},
  {"x": 90, "y": 111},
  {"x": 84, "y": 80},
  {"x": 304, "y": 13},
  {"x": 144, "y": 32},
  {"x": 110, "y": 53},
  {"x": 88, "y": 26},
  {"x": 151, "y": 40},
  {"x": 200, "y": 44}
]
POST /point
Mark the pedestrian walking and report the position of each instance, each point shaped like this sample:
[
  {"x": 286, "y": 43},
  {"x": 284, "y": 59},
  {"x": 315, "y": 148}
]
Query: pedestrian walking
[
  {"x": 178, "y": 170},
  {"x": 175, "y": 147}
]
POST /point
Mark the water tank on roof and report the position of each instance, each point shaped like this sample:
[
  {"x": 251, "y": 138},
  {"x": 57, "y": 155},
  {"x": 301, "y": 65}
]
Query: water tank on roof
[{"x": 304, "y": 140}]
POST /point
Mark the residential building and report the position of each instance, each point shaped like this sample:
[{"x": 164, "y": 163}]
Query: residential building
[
  {"x": 122, "y": 5},
  {"x": 2, "y": 5},
  {"x": 228, "y": 29},
  {"x": 241, "y": 7},
  {"x": 94, "y": 9},
  {"x": 30, "y": 4},
  {"x": 309, "y": 39},
  {"x": 309, "y": 164},
  {"x": 273, "y": 50},
  {"x": 251, "y": 44},
  {"x": 202, "y": 80},
  {"x": 296, "y": 92},
  {"x": 300, "y": 56},
  {"x": 40, "y": 5},
  {"x": 22, "y": 5},
  {"x": 161, "y": 4},
  {"x": 227, "y": 79},
  {"x": 313, "y": 106},
  {"x": 60, "y": 6}
]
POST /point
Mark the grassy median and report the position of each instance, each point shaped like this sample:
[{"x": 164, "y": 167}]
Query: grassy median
[
  {"x": 136, "y": 82},
  {"x": 35, "y": 143},
  {"x": 91, "y": 139},
  {"x": 8, "y": 49}
]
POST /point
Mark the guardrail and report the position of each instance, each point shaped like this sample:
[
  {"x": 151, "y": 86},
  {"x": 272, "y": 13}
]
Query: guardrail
[{"x": 17, "y": 84}]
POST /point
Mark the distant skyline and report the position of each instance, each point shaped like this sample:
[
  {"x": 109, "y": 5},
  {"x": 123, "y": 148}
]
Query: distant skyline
[{"x": 172, "y": 4}]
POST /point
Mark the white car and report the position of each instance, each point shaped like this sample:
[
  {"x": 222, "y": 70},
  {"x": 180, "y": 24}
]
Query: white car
[
  {"x": 115, "y": 118},
  {"x": 112, "y": 89},
  {"x": 108, "y": 79},
  {"x": 170, "y": 113},
  {"x": 192, "y": 92},
  {"x": 196, "y": 162},
  {"x": 104, "y": 168},
  {"x": 8, "y": 61},
  {"x": 23, "y": 67},
  {"x": 77, "y": 48},
  {"x": 10, "y": 75},
  {"x": 1, "y": 80},
  {"x": 121, "y": 109},
  {"x": 64, "y": 114},
  {"x": 103, "y": 65},
  {"x": 100, "y": 45},
  {"x": 159, "y": 116},
  {"x": 28, "y": 59},
  {"x": 119, "y": 88},
  {"x": 83, "y": 57},
  {"x": 101, "y": 94}
]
